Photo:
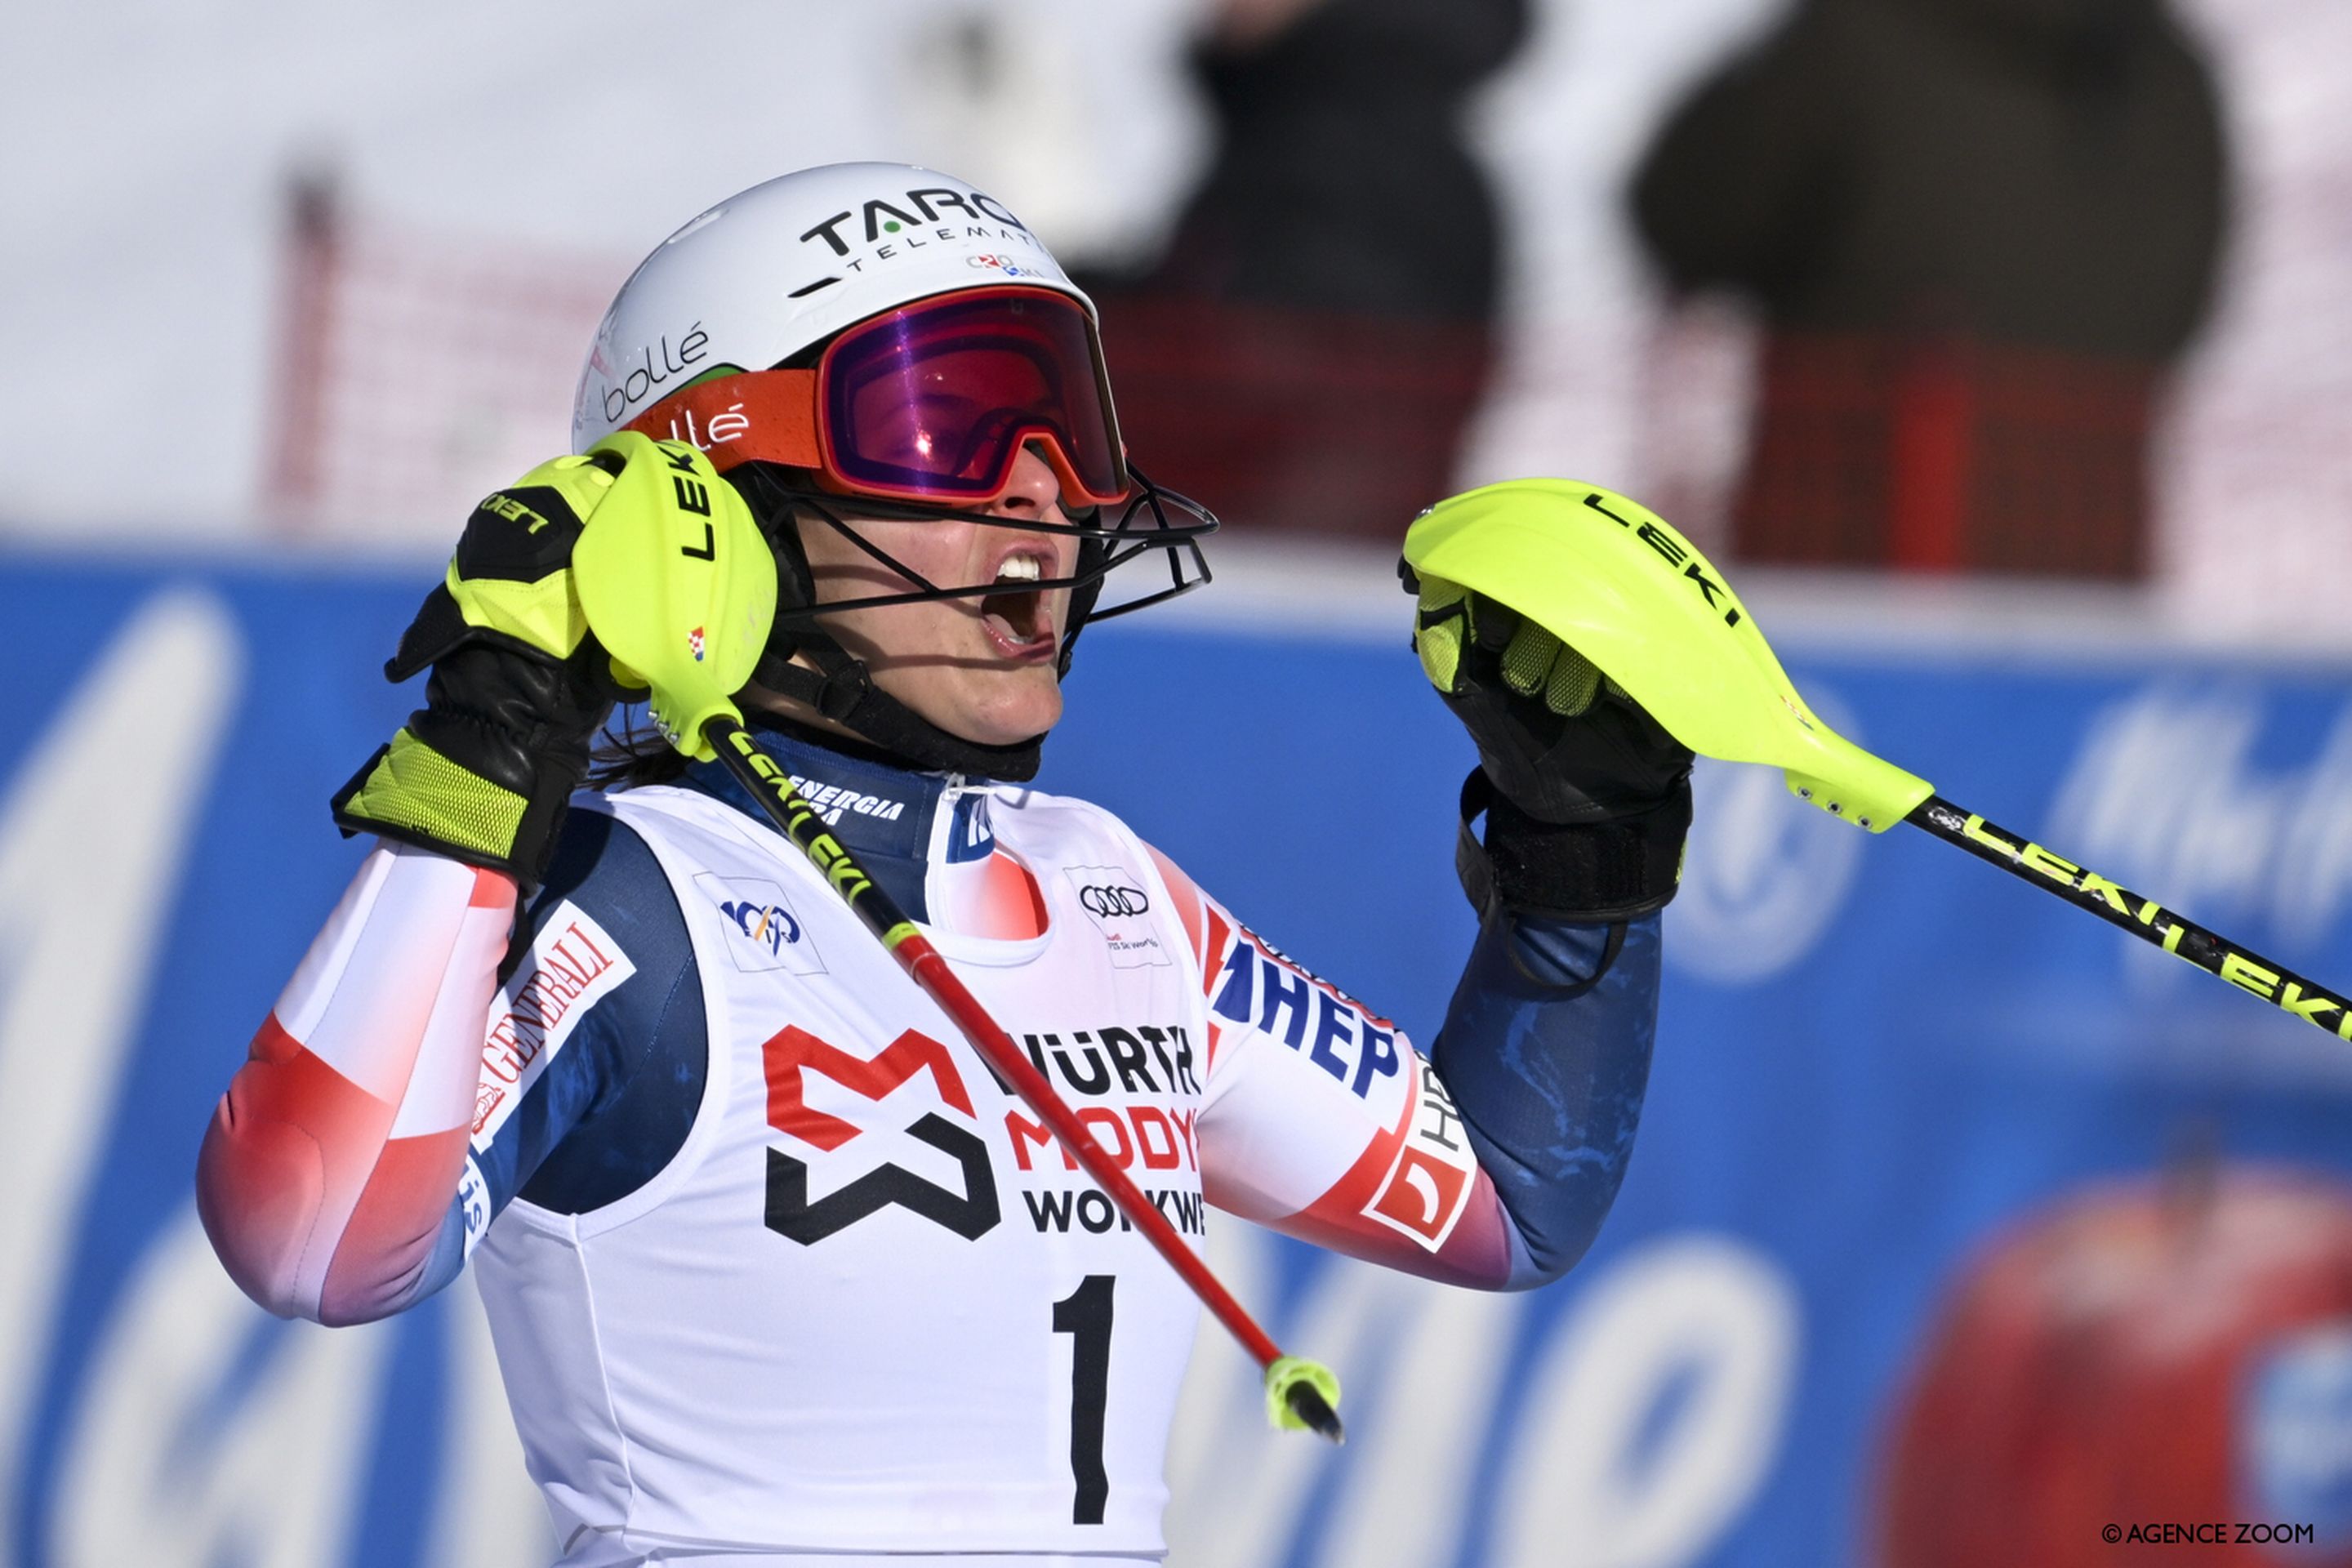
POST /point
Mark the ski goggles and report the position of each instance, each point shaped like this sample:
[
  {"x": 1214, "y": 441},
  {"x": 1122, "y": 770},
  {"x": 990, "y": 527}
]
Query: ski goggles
[{"x": 931, "y": 402}]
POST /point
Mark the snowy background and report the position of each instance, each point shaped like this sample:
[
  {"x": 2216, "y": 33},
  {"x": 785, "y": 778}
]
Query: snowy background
[{"x": 142, "y": 258}]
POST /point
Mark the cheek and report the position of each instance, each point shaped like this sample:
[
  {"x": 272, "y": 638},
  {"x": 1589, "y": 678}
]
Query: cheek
[
  {"x": 932, "y": 553},
  {"x": 926, "y": 550}
]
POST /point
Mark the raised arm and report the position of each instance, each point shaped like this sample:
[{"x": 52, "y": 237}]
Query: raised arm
[
  {"x": 1491, "y": 1167},
  {"x": 1494, "y": 1162},
  {"x": 328, "y": 1173},
  {"x": 327, "y": 1178},
  {"x": 404, "y": 1090}
]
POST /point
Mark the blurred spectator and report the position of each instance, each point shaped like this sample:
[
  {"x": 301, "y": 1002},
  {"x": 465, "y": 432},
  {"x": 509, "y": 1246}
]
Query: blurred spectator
[
  {"x": 2134, "y": 1356},
  {"x": 1978, "y": 232},
  {"x": 1308, "y": 349}
]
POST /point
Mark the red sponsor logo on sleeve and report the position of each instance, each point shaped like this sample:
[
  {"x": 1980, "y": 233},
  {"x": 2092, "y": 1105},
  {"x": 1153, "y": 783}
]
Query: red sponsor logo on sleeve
[
  {"x": 572, "y": 963},
  {"x": 1424, "y": 1191}
]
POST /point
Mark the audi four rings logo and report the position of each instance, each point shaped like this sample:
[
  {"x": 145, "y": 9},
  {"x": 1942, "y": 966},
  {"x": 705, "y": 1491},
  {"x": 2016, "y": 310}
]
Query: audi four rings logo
[{"x": 1097, "y": 900}]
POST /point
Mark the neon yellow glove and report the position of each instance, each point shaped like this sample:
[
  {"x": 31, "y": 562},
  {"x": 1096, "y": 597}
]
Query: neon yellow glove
[{"x": 519, "y": 688}]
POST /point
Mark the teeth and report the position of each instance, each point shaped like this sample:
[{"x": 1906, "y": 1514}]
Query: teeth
[{"x": 1018, "y": 569}]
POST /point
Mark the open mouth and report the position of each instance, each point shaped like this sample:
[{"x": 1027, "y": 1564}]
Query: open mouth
[{"x": 1014, "y": 616}]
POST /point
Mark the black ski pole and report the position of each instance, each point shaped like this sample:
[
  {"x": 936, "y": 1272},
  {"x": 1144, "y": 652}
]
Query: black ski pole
[{"x": 2143, "y": 917}]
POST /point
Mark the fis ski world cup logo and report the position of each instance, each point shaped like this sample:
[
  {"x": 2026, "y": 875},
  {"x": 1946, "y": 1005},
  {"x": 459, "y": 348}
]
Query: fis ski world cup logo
[
  {"x": 763, "y": 932},
  {"x": 793, "y": 1054},
  {"x": 771, "y": 924}
]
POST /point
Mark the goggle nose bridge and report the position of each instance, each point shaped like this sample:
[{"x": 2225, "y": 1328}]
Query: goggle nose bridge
[{"x": 1055, "y": 453}]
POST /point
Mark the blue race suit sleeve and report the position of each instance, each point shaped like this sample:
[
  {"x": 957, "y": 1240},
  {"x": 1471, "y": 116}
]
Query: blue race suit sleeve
[{"x": 1548, "y": 1067}]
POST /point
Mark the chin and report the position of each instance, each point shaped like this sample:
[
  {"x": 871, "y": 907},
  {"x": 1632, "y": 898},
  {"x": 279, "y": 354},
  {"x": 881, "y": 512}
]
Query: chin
[
  {"x": 1000, "y": 709},
  {"x": 1030, "y": 712}
]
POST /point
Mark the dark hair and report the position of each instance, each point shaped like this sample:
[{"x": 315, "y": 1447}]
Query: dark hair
[{"x": 635, "y": 753}]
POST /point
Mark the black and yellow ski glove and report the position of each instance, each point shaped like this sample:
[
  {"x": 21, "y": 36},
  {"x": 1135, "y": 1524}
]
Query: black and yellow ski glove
[
  {"x": 1587, "y": 797},
  {"x": 519, "y": 688}
]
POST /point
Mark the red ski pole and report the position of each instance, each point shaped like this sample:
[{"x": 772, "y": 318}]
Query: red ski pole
[{"x": 1307, "y": 1389}]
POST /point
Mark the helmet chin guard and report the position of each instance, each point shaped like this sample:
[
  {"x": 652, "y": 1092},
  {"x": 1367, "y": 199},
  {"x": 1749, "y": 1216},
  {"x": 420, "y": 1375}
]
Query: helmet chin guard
[{"x": 841, "y": 687}]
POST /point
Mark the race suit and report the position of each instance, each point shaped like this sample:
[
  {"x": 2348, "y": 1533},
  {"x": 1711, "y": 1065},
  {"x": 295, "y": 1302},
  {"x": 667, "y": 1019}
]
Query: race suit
[{"x": 778, "y": 1271}]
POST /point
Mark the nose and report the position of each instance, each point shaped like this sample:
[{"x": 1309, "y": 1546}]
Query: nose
[{"x": 1033, "y": 491}]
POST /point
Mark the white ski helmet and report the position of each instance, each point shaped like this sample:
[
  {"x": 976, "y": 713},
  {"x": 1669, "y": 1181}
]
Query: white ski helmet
[
  {"x": 794, "y": 331},
  {"x": 782, "y": 267}
]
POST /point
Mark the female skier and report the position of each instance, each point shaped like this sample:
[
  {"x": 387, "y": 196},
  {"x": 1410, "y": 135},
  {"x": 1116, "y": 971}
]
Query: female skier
[{"x": 777, "y": 1271}]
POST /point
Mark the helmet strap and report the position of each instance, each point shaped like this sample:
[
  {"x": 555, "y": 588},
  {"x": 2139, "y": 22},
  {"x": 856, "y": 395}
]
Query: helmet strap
[
  {"x": 1091, "y": 553},
  {"x": 841, "y": 687}
]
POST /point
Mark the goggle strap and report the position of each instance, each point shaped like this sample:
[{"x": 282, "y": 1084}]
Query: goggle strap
[
  {"x": 769, "y": 416},
  {"x": 753, "y": 417}
]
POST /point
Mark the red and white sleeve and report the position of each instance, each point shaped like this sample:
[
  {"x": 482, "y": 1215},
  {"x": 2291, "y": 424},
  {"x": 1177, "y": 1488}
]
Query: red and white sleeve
[
  {"x": 330, "y": 1168},
  {"x": 1321, "y": 1119}
]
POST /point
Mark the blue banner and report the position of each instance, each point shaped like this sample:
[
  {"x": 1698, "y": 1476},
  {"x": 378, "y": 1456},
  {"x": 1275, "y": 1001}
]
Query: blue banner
[{"x": 1877, "y": 1058}]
